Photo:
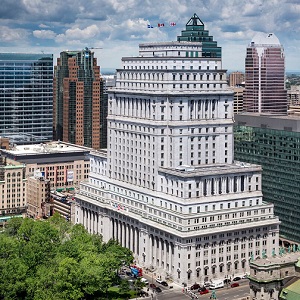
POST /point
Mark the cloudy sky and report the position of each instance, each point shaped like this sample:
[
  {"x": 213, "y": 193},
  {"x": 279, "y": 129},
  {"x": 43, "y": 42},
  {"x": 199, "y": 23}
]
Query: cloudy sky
[{"x": 118, "y": 26}]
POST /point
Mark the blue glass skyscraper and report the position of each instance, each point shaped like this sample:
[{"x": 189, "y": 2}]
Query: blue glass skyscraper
[{"x": 26, "y": 96}]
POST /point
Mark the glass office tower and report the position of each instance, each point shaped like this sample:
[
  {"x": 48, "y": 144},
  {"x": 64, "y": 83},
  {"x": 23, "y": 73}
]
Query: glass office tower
[
  {"x": 265, "y": 91},
  {"x": 26, "y": 82}
]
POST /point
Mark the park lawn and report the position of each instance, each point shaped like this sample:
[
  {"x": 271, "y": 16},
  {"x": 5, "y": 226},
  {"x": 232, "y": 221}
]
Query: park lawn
[{"x": 114, "y": 293}]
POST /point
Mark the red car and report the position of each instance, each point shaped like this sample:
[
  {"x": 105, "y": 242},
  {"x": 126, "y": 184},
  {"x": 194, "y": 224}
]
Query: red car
[
  {"x": 204, "y": 291},
  {"x": 235, "y": 284}
]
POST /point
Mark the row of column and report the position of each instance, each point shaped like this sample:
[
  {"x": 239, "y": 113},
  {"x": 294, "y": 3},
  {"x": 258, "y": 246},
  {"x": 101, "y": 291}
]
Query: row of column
[
  {"x": 159, "y": 253},
  {"x": 204, "y": 108},
  {"x": 91, "y": 220},
  {"x": 127, "y": 235},
  {"x": 133, "y": 107}
]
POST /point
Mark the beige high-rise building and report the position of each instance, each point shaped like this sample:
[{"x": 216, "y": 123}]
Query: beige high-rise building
[
  {"x": 236, "y": 78},
  {"x": 238, "y": 99},
  {"x": 168, "y": 187}
]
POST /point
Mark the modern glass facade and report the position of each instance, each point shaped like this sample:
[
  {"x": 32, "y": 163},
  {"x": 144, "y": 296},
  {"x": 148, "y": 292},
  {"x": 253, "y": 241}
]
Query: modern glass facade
[
  {"x": 278, "y": 151},
  {"x": 26, "y": 96},
  {"x": 265, "y": 76}
]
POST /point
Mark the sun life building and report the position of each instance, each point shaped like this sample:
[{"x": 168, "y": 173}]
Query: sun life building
[{"x": 168, "y": 187}]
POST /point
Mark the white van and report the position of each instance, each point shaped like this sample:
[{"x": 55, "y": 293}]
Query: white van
[
  {"x": 144, "y": 280},
  {"x": 216, "y": 285}
]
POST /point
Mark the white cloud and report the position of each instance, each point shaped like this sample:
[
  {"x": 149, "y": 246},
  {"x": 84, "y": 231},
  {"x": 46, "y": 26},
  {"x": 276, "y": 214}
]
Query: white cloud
[
  {"x": 44, "y": 34},
  {"x": 119, "y": 24},
  {"x": 78, "y": 34},
  {"x": 44, "y": 26},
  {"x": 12, "y": 34}
]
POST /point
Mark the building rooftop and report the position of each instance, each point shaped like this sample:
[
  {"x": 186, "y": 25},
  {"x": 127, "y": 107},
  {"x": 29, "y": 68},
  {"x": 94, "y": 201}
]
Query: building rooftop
[
  {"x": 292, "y": 291},
  {"x": 291, "y": 257},
  {"x": 191, "y": 171},
  {"x": 46, "y": 148},
  {"x": 265, "y": 39}
]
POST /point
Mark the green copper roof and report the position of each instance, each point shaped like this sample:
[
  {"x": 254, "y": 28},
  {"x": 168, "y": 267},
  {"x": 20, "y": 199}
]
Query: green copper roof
[
  {"x": 195, "y": 32},
  {"x": 292, "y": 292}
]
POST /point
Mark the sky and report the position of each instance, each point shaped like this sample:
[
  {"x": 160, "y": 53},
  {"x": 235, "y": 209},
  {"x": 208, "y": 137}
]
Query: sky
[{"x": 119, "y": 26}]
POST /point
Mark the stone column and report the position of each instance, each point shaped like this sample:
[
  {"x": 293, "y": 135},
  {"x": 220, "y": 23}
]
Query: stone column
[
  {"x": 151, "y": 250},
  {"x": 165, "y": 254}
]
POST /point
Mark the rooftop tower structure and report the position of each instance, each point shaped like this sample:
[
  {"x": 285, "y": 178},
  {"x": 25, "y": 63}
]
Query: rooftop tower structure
[
  {"x": 168, "y": 187},
  {"x": 265, "y": 91}
]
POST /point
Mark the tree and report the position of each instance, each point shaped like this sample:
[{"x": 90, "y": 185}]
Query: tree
[
  {"x": 124, "y": 286},
  {"x": 52, "y": 259}
]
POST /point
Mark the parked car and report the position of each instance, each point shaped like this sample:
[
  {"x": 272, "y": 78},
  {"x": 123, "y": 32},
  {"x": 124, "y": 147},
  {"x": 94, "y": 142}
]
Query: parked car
[
  {"x": 195, "y": 286},
  {"x": 152, "y": 285},
  {"x": 158, "y": 289},
  {"x": 158, "y": 280},
  {"x": 145, "y": 280},
  {"x": 235, "y": 284},
  {"x": 203, "y": 291},
  {"x": 236, "y": 278},
  {"x": 164, "y": 283},
  {"x": 207, "y": 284}
]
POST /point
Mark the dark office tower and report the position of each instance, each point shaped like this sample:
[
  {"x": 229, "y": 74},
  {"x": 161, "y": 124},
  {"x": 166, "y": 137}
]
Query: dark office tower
[
  {"x": 77, "y": 89},
  {"x": 26, "y": 96},
  {"x": 265, "y": 76}
]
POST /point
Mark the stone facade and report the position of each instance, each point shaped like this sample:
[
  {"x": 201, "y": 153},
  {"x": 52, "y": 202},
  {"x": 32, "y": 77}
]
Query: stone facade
[
  {"x": 168, "y": 187},
  {"x": 269, "y": 275}
]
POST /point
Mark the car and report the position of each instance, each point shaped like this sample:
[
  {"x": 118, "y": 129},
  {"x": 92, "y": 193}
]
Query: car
[
  {"x": 236, "y": 278},
  {"x": 227, "y": 281},
  {"x": 204, "y": 291},
  {"x": 143, "y": 294},
  {"x": 145, "y": 280},
  {"x": 195, "y": 286},
  {"x": 207, "y": 284},
  {"x": 152, "y": 285},
  {"x": 245, "y": 276},
  {"x": 235, "y": 284},
  {"x": 158, "y": 280},
  {"x": 164, "y": 283},
  {"x": 158, "y": 289}
]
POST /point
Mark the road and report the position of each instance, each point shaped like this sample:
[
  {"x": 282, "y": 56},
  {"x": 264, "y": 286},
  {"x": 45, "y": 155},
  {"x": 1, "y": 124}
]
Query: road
[{"x": 222, "y": 294}]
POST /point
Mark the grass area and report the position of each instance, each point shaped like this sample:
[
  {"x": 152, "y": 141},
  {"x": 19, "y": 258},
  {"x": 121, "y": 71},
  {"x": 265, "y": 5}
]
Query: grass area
[{"x": 114, "y": 293}]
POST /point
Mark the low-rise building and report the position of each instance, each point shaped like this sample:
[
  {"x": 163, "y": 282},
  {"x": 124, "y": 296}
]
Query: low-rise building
[
  {"x": 64, "y": 164},
  {"x": 64, "y": 204},
  {"x": 38, "y": 195},
  {"x": 12, "y": 190},
  {"x": 269, "y": 276}
]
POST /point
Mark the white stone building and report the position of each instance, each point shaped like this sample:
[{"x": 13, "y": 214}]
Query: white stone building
[{"x": 168, "y": 187}]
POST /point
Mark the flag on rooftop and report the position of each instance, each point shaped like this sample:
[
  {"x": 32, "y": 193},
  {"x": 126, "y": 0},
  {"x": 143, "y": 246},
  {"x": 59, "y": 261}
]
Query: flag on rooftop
[
  {"x": 172, "y": 24},
  {"x": 150, "y": 26},
  {"x": 160, "y": 24}
]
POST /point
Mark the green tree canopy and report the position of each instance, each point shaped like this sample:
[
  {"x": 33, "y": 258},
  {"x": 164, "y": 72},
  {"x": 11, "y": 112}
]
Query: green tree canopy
[{"x": 52, "y": 259}]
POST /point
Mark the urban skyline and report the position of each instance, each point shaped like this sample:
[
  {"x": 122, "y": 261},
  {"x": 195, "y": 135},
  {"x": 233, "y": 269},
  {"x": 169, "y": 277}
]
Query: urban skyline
[{"x": 40, "y": 27}]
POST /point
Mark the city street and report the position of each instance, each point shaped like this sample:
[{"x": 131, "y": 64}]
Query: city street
[{"x": 222, "y": 294}]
